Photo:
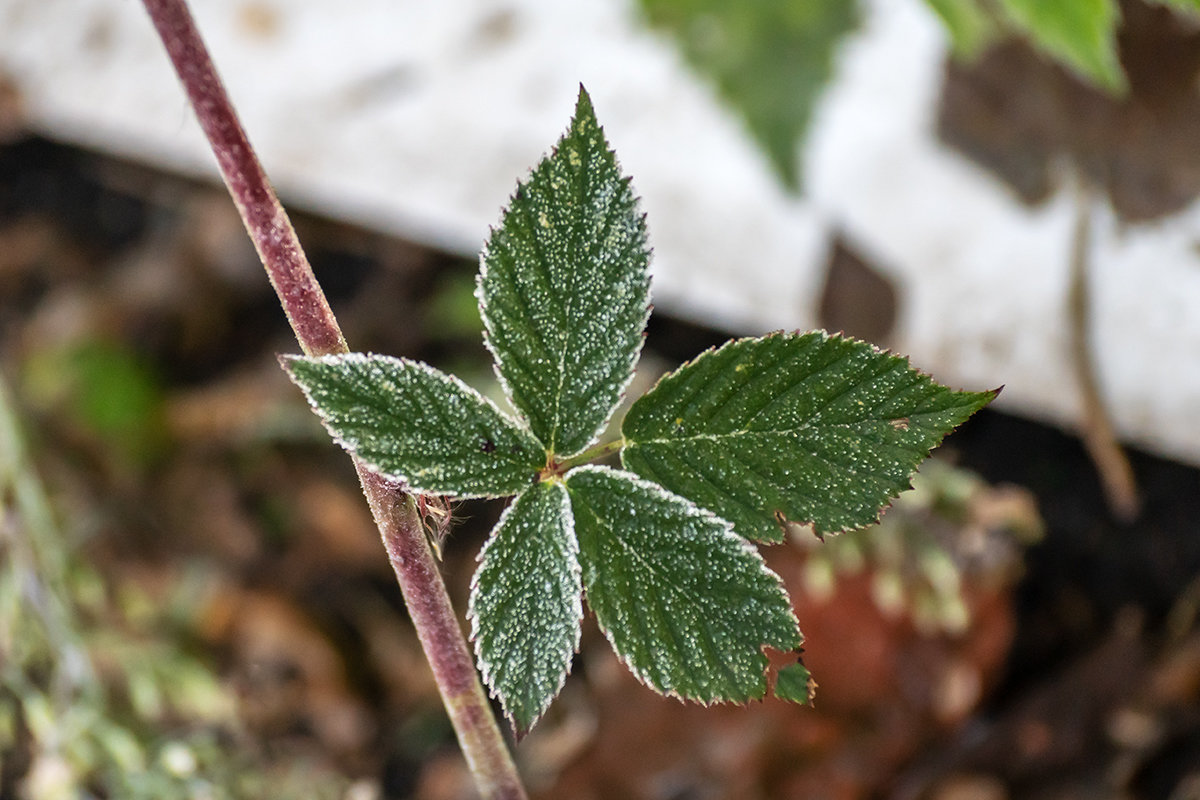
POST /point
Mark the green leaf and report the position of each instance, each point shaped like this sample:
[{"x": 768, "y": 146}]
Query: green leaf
[
  {"x": 525, "y": 603},
  {"x": 686, "y": 603},
  {"x": 107, "y": 390},
  {"x": 971, "y": 26},
  {"x": 564, "y": 290},
  {"x": 770, "y": 61},
  {"x": 1080, "y": 33},
  {"x": 414, "y": 424},
  {"x": 794, "y": 682},
  {"x": 804, "y": 427}
]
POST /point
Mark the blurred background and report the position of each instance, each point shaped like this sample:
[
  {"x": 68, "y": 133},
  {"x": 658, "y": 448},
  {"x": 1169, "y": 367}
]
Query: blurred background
[{"x": 193, "y": 599}]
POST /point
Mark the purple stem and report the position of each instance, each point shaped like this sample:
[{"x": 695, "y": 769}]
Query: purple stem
[
  {"x": 265, "y": 220},
  {"x": 318, "y": 333}
]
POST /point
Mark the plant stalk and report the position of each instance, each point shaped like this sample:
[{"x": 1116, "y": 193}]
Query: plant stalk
[
  {"x": 1098, "y": 431},
  {"x": 318, "y": 332}
]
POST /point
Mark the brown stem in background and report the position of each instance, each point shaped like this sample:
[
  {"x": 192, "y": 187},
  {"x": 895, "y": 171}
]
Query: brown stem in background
[
  {"x": 1099, "y": 433},
  {"x": 318, "y": 333}
]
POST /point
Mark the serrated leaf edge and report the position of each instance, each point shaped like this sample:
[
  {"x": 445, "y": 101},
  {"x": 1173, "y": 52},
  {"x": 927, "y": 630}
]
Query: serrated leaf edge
[
  {"x": 576, "y": 607},
  {"x": 352, "y": 447},
  {"x": 727, "y": 530},
  {"x": 584, "y": 100},
  {"x": 825, "y": 336},
  {"x": 810, "y": 683},
  {"x": 796, "y": 334}
]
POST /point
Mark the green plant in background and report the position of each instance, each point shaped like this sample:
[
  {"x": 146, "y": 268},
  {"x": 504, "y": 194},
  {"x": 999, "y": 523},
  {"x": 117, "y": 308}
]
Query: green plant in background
[
  {"x": 105, "y": 392},
  {"x": 94, "y": 699},
  {"x": 771, "y": 61},
  {"x": 730, "y": 447},
  {"x": 1079, "y": 34},
  {"x": 952, "y": 533}
]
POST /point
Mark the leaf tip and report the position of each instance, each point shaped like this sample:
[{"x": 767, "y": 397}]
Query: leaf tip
[
  {"x": 584, "y": 110},
  {"x": 287, "y": 362},
  {"x": 520, "y": 731}
]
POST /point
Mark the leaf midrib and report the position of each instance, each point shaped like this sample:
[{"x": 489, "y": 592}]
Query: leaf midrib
[{"x": 681, "y": 595}]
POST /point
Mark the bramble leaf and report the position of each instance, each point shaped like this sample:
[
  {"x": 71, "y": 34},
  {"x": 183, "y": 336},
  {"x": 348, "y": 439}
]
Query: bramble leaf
[
  {"x": 412, "y": 423},
  {"x": 564, "y": 291},
  {"x": 525, "y": 603},
  {"x": 810, "y": 428},
  {"x": 687, "y": 603}
]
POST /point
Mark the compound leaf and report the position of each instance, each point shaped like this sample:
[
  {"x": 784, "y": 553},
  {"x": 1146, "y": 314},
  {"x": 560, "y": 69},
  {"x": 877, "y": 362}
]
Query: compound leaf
[
  {"x": 412, "y": 423},
  {"x": 810, "y": 428},
  {"x": 564, "y": 290},
  {"x": 525, "y": 605},
  {"x": 687, "y": 603}
]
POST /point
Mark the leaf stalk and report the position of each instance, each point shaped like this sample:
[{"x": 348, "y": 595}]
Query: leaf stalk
[{"x": 595, "y": 453}]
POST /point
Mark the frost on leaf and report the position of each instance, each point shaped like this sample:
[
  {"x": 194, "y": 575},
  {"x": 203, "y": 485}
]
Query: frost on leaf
[
  {"x": 687, "y": 604},
  {"x": 564, "y": 289},
  {"x": 412, "y": 423},
  {"x": 525, "y": 603},
  {"x": 795, "y": 683},
  {"x": 808, "y": 428}
]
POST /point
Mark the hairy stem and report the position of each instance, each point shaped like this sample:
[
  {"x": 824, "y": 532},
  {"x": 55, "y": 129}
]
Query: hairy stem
[
  {"x": 318, "y": 333},
  {"x": 442, "y": 639},
  {"x": 1099, "y": 433}
]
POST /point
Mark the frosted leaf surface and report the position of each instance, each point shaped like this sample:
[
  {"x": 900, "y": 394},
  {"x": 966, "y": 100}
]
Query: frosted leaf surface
[
  {"x": 564, "y": 290},
  {"x": 525, "y": 603},
  {"x": 809, "y": 427},
  {"x": 415, "y": 424},
  {"x": 795, "y": 683},
  {"x": 687, "y": 603}
]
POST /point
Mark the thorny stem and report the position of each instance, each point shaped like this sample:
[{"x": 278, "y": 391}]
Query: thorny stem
[
  {"x": 318, "y": 333},
  {"x": 1099, "y": 434}
]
